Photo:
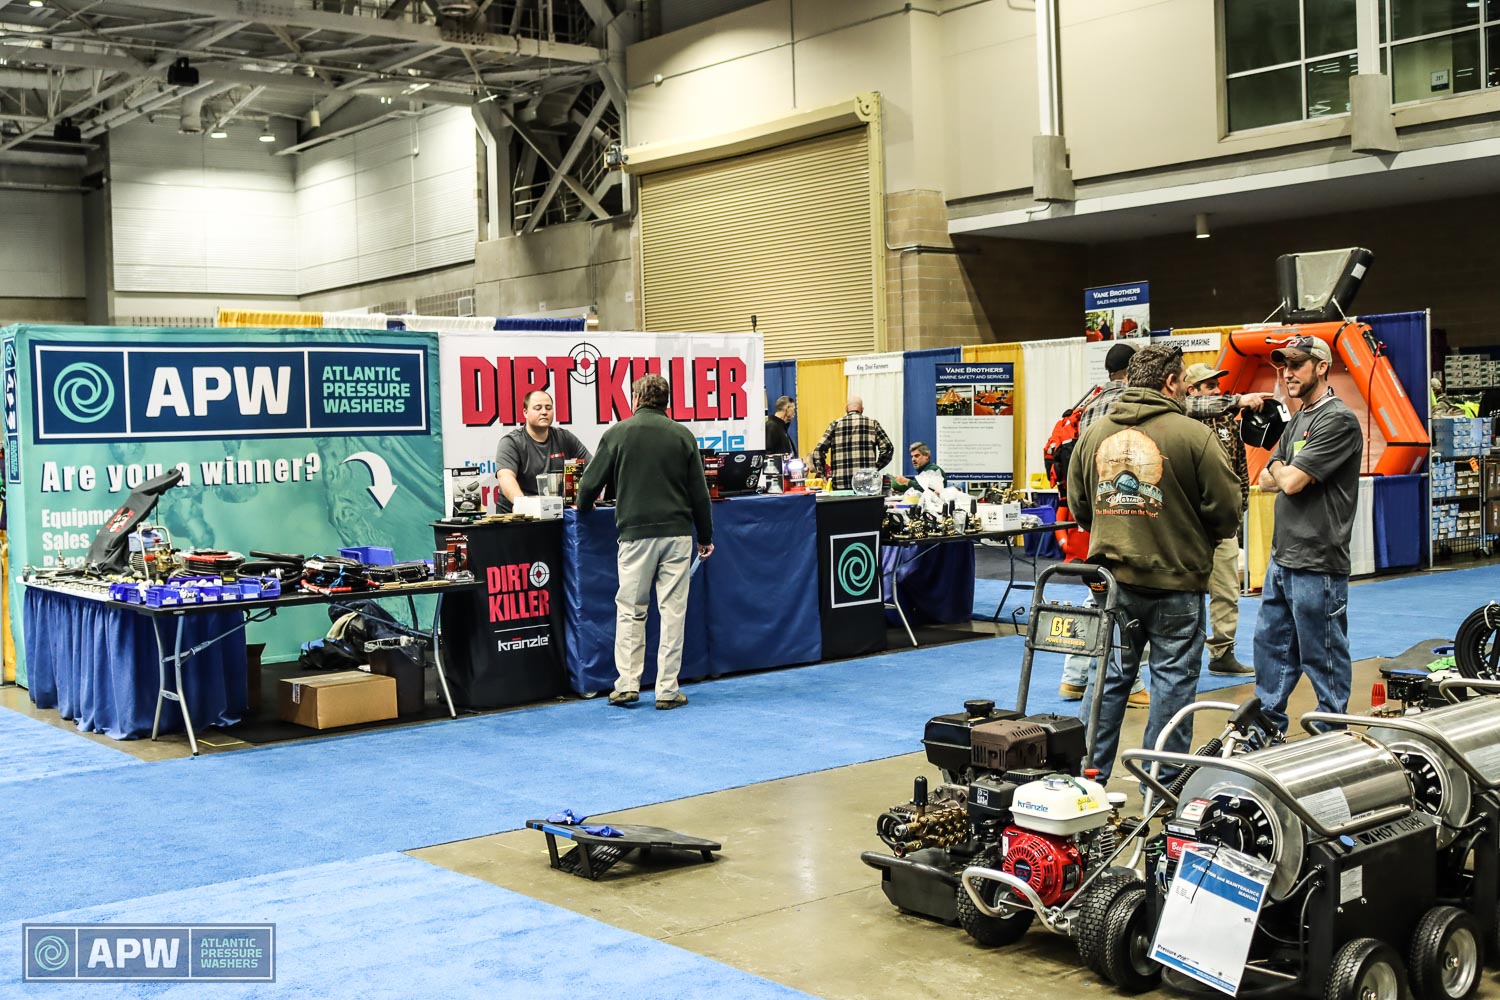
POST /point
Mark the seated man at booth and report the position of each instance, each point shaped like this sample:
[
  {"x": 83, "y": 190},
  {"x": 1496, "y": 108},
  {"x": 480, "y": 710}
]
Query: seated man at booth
[
  {"x": 531, "y": 450},
  {"x": 921, "y": 461}
]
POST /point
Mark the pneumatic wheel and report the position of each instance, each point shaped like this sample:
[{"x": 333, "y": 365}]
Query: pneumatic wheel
[
  {"x": 1365, "y": 969},
  {"x": 992, "y": 932},
  {"x": 1447, "y": 954},
  {"x": 1088, "y": 925},
  {"x": 1127, "y": 944}
]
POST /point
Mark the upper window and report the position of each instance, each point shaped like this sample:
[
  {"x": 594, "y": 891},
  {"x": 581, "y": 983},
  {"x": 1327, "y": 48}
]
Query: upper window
[{"x": 1290, "y": 60}]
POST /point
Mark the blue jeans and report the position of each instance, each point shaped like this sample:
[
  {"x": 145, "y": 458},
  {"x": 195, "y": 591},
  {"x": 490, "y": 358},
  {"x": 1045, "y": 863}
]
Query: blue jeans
[
  {"x": 1173, "y": 626},
  {"x": 1077, "y": 670},
  {"x": 1303, "y": 628}
]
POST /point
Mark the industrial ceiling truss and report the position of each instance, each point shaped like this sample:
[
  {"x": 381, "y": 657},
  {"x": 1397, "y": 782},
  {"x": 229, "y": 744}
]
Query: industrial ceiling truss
[{"x": 549, "y": 71}]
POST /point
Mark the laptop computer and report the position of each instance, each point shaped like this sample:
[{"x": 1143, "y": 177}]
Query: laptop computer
[{"x": 739, "y": 472}]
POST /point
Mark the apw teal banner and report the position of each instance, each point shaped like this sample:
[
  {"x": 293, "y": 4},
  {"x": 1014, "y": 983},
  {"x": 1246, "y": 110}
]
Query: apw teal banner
[{"x": 288, "y": 440}]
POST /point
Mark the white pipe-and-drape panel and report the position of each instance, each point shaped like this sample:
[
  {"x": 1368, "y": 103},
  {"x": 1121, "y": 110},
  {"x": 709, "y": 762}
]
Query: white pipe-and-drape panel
[
  {"x": 877, "y": 379},
  {"x": 1055, "y": 380}
]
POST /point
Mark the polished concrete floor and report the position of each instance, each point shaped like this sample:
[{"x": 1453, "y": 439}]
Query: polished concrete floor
[{"x": 790, "y": 900}]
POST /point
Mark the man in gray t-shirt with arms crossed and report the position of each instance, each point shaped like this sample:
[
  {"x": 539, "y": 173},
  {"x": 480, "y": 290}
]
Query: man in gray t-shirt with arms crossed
[{"x": 1303, "y": 626}]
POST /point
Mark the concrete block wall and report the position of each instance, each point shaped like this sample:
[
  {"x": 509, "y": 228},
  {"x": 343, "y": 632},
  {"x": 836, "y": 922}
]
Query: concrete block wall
[{"x": 562, "y": 268}]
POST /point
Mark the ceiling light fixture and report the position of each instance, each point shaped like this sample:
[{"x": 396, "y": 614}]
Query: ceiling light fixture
[
  {"x": 1201, "y": 223},
  {"x": 265, "y": 134},
  {"x": 37, "y": 3},
  {"x": 218, "y": 133}
]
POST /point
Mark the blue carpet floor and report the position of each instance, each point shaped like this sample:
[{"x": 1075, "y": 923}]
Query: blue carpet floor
[
  {"x": 1385, "y": 616},
  {"x": 393, "y": 926},
  {"x": 30, "y": 749},
  {"x": 217, "y": 818}
]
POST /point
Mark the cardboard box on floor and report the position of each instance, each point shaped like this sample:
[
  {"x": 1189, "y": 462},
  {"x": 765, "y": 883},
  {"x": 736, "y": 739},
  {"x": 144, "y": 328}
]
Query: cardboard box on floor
[{"x": 325, "y": 701}]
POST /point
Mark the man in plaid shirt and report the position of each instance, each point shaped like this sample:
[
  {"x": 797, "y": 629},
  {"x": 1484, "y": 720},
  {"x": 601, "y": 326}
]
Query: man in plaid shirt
[
  {"x": 857, "y": 442},
  {"x": 1205, "y": 407}
]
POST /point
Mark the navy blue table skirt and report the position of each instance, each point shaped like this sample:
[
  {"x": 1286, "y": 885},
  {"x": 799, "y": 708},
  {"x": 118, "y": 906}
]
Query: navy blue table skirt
[
  {"x": 1399, "y": 513},
  {"x": 936, "y": 582},
  {"x": 97, "y": 665},
  {"x": 752, "y": 605}
]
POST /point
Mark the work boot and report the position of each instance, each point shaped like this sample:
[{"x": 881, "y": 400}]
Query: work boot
[
  {"x": 1225, "y": 665},
  {"x": 1069, "y": 692},
  {"x": 675, "y": 701},
  {"x": 626, "y": 698},
  {"x": 1140, "y": 699}
]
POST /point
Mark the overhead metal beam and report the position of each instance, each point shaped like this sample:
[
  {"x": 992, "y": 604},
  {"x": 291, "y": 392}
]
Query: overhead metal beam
[
  {"x": 560, "y": 172},
  {"x": 536, "y": 143},
  {"x": 283, "y": 12}
]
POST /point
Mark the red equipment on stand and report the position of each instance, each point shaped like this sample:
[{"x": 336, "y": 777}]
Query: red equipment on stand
[{"x": 1074, "y": 542}]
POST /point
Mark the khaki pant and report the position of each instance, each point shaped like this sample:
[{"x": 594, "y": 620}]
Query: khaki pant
[
  {"x": 1224, "y": 598},
  {"x": 642, "y": 562}
]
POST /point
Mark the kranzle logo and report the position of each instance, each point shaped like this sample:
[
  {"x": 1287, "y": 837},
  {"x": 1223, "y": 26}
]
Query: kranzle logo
[{"x": 96, "y": 392}]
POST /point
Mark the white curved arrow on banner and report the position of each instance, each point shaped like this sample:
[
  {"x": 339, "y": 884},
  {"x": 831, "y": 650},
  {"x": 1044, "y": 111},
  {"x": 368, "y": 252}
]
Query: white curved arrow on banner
[{"x": 382, "y": 488}]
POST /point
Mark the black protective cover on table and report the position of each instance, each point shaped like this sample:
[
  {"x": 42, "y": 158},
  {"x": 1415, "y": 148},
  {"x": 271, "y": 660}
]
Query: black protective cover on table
[
  {"x": 853, "y": 623},
  {"x": 503, "y": 645}
]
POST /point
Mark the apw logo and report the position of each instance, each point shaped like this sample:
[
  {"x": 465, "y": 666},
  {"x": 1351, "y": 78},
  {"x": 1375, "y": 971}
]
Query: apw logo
[
  {"x": 855, "y": 561},
  {"x": 86, "y": 392},
  {"x": 150, "y": 952}
]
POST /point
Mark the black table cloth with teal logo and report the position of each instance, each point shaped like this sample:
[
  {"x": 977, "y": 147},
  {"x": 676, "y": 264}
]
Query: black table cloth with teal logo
[{"x": 752, "y": 605}]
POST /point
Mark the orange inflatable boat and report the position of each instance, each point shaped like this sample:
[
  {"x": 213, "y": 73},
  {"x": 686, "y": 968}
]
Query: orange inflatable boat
[{"x": 1247, "y": 351}]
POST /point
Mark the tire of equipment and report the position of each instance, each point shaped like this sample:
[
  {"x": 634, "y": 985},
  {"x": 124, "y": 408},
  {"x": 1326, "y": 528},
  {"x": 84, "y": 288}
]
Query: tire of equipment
[
  {"x": 1447, "y": 955},
  {"x": 1365, "y": 969},
  {"x": 991, "y": 932},
  {"x": 1476, "y": 647},
  {"x": 1088, "y": 925},
  {"x": 1127, "y": 940}
]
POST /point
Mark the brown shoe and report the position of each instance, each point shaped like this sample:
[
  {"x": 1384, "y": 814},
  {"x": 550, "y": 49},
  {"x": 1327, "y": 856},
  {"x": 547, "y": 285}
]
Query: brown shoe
[
  {"x": 676, "y": 701},
  {"x": 1141, "y": 699},
  {"x": 1068, "y": 692}
]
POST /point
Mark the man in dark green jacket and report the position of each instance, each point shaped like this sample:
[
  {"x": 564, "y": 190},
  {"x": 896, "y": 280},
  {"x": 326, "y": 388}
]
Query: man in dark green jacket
[
  {"x": 650, "y": 464},
  {"x": 1156, "y": 494}
]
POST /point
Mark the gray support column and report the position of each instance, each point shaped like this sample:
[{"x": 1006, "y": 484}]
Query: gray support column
[
  {"x": 495, "y": 135},
  {"x": 1373, "y": 130},
  {"x": 1051, "y": 178}
]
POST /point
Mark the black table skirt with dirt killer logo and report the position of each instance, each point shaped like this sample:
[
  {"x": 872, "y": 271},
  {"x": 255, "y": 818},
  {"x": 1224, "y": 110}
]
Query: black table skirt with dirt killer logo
[{"x": 504, "y": 645}]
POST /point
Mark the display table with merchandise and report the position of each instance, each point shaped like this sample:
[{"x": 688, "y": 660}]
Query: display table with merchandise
[
  {"x": 93, "y": 659},
  {"x": 758, "y": 591}
]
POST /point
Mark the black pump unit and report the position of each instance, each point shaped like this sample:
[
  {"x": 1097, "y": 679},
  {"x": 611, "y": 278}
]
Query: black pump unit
[
  {"x": 1320, "y": 287},
  {"x": 182, "y": 74},
  {"x": 109, "y": 552}
]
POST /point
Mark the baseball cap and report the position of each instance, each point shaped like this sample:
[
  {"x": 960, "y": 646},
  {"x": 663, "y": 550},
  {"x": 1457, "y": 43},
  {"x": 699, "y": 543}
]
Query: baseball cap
[
  {"x": 1118, "y": 358},
  {"x": 1202, "y": 373},
  {"x": 1296, "y": 347}
]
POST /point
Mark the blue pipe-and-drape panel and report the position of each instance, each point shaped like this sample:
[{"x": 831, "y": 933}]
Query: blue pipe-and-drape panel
[
  {"x": 937, "y": 586},
  {"x": 97, "y": 665},
  {"x": 781, "y": 380},
  {"x": 1404, "y": 335},
  {"x": 572, "y": 324},
  {"x": 752, "y": 605},
  {"x": 919, "y": 375},
  {"x": 1400, "y": 517}
]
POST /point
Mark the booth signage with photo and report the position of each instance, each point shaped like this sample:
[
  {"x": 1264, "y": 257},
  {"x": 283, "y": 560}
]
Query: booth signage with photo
[{"x": 975, "y": 419}]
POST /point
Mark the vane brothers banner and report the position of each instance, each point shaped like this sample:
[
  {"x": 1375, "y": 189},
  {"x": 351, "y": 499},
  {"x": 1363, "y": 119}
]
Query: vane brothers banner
[{"x": 717, "y": 381}]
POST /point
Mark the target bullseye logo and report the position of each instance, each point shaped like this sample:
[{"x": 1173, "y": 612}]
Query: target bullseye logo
[
  {"x": 540, "y": 574},
  {"x": 585, "y": 363}
]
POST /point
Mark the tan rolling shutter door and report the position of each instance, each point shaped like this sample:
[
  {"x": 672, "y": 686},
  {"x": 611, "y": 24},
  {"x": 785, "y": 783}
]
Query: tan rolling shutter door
[{"x": 786, "y": 234}]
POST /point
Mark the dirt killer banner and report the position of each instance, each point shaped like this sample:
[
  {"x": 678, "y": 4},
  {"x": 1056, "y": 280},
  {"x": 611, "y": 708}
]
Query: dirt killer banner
[
  {"x": 289, "y": 441},
  {"x": 718, "y": 386}
]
